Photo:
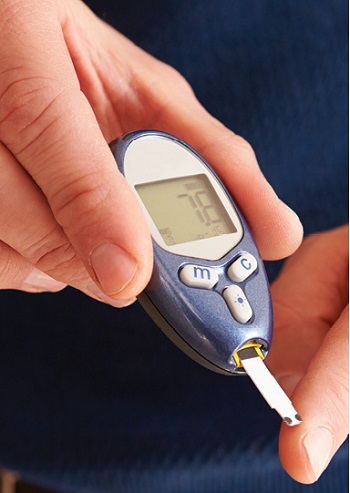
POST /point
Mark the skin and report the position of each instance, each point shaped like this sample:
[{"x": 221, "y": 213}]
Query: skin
[
  {"x": 69, "y": 84},
  {"x": 65, "y": 93},
  {"x": 309, "y": 355}
]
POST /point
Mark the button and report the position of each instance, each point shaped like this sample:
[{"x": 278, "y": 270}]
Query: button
[
  {"x": 197, "y": 276},
  {"x": 238, "y": 304},
  {"x": 242, "y": 268}
]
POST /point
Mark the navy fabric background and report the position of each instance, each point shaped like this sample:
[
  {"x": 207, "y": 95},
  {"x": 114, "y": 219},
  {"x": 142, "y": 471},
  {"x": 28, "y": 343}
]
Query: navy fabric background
[{"x": 95, "y": 399}]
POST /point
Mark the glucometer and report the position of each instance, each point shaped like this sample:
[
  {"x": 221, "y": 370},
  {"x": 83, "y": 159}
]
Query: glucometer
[{"x": 209, "y": 292}]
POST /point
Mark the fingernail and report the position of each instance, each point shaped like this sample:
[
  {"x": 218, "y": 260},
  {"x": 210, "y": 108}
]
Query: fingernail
[
  {"x": 319, "y": 446},
  {"x": 113, "y": 268},
  {"x": 93, "y": 291},
  {"x": 38, "y": 282}
]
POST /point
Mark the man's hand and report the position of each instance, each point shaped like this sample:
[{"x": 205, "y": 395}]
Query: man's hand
[
  {"x": 309, "y": 353},
  {"x": 69, "y": 84}
]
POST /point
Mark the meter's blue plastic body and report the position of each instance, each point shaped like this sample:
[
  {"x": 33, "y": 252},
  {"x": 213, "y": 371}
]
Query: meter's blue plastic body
[{"x": 197, "y": 320}]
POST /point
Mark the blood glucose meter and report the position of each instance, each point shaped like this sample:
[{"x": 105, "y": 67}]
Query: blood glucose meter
[{"x": 209, "y": 292}]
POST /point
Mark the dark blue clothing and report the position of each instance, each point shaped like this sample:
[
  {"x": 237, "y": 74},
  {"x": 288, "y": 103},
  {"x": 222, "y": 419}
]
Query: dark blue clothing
[{"x": 96, "y": 399}]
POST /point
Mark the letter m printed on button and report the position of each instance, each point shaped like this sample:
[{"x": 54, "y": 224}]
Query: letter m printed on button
[
  {"x": 197, "y": 276},
  {"x": 202, "y": 272}
]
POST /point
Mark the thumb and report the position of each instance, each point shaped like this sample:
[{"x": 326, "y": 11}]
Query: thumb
[
  {"x": 309, "y": 353},
  {"x": 63, "y": 150},
  {"x": 322, "y": 400}
]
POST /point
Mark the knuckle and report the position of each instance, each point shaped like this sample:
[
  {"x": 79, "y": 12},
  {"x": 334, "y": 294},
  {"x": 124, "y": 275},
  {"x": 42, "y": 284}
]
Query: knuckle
[
  {"x": 83, "y": 195},
  {"x": 339, "y": 412},
  {"x": 335, "y": 393},
  {"x": 235, "y": 147},
  {"x": 63, "y": 264},
  {"x": 6, "y": 266},
  {"x": 163, "y": 82},
  {"x": 172, "y": 75},
  {"x": 241, "y": 143},
  {"x": 340, "y": 389},
  {"x": 230, "y": 147},
  {"x": 56, "y": 261},
  {"x": 12, "y": 268},
  {"x": 56, "y": 257},
  {"x": 30, "y": 105}
]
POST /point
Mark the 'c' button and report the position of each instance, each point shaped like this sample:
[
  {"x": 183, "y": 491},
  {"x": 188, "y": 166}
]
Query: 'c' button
[{"x": 242, "y": 268}]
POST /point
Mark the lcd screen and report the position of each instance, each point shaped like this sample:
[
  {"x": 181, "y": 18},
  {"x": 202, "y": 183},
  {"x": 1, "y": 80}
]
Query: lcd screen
[{"x": 185, "y": 209}]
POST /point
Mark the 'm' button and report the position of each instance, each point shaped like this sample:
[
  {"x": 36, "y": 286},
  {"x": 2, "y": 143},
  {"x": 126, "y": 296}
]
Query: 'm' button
[{"x": 197, "y": 276}]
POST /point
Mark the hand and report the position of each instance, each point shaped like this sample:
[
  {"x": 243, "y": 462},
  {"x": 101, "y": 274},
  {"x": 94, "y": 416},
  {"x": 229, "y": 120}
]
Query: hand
[
  {"x": 309, "y": 353},
  {"x": 68, "y": 85}
]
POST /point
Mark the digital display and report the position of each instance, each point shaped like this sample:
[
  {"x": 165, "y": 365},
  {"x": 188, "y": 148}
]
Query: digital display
[{"x": 185, "y": 209}]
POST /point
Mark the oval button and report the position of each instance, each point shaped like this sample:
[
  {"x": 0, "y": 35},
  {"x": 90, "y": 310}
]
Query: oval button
[
  {"x": 198, "y": 276},
  {"x": 242, "y": 268},
  {"x": 238, "y": 304}
]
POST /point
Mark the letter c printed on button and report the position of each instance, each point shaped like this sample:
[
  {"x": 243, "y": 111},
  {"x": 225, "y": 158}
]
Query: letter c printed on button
[{"x": 246, "y": 264}]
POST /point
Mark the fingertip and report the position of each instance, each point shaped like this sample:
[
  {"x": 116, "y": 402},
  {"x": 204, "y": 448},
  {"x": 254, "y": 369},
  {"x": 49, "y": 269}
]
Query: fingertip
[
  {"x": 94, "y": 292},
  {"x": 292, "y": 458},
  {"x": 305, "y": 452},
  {"x": 282, "y": 234}
]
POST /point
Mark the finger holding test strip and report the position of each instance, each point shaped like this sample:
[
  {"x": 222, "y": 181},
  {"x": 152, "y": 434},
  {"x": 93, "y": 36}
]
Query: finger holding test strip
[{"x": 309, "y": 354}]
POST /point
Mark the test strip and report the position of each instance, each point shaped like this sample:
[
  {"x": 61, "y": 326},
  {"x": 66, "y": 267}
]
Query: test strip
[{"x": 268, "y": 386}]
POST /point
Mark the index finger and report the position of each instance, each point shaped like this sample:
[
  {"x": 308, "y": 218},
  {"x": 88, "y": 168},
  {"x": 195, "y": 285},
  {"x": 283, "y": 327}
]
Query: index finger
[{"x": 276, "y": 228}]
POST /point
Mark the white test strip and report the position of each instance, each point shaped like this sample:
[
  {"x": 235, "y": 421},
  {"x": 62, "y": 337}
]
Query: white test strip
[{"x": 268, "y": 386}]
